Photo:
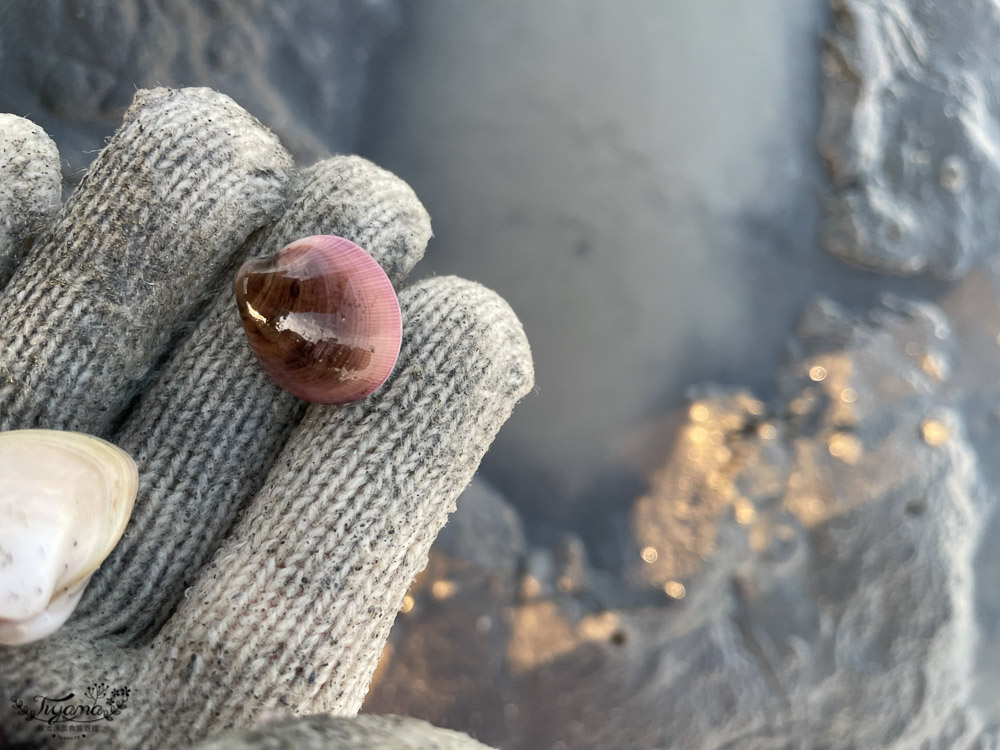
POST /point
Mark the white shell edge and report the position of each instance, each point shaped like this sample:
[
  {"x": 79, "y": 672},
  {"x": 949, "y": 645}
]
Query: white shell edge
[{"x": 111, "y": 506}]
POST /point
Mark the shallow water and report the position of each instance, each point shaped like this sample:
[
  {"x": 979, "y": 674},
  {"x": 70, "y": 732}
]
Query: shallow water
[{"x": 641, "y": 182}]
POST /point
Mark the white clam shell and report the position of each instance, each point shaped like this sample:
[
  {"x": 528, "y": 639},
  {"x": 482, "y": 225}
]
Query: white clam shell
[{"x": 65, "y": 499}]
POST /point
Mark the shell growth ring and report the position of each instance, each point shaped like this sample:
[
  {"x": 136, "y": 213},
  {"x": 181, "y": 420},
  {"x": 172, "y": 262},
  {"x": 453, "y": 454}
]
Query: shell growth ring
[{"x": 322, "y": 318}]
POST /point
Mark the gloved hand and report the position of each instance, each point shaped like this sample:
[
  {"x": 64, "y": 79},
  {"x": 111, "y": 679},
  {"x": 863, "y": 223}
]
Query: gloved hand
[{"x": 272, "y": 542}]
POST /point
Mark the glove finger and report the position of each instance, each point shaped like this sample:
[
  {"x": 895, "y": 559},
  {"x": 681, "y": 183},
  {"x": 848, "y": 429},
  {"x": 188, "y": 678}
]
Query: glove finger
[
  {"x": 206, "y": 432},
  {"x": 296, "y": 606},
  {"x": 159, "y": 214},
  {"x": 30, "y": 185},
  {"x": 343, "y": 733}
]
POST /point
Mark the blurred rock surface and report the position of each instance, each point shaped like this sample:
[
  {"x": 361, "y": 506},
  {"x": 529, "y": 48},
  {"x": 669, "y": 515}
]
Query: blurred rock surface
[
  {"x": 909, "y": 133},
  {"x": 300, "y": 66},
  {"x": 807, "y": 565}
]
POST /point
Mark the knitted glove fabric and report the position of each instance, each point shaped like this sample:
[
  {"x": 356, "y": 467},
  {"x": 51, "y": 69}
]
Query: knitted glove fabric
[
  {"x": 361, "y": 733},
  {"x": 29, "y": 187},
  {"x": 272, "y": 541}
]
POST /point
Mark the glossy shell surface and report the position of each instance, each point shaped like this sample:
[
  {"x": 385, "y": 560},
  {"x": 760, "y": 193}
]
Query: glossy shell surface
[{"x": 322, "y": 318}]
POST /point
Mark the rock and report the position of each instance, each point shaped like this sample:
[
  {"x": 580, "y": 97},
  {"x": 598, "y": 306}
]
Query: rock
[
  {"x": 300, "y": 66},
  {"x": 820, "y": 546},
  {"x": 910, "y": 136}
]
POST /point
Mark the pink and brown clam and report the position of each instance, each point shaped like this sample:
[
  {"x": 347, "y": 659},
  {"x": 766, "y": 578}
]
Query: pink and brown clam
[{"x": 322, "y": 318}]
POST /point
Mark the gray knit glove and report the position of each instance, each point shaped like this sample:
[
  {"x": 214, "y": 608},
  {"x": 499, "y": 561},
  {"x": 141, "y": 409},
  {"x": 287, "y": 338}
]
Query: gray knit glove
[{"x": 272, "y": 542}]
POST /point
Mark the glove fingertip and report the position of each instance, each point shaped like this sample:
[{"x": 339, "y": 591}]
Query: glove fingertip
[
  {"x": 351, "y": 197},
  {"x": 30, "y": 187}
]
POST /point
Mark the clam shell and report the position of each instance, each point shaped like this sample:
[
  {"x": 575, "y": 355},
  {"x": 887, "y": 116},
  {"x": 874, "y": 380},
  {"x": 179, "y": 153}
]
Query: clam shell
[
  {"x": 65, "y": 499},
  {"x": 322, "y": 317}
]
